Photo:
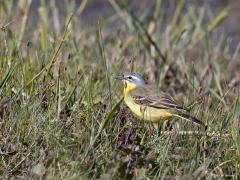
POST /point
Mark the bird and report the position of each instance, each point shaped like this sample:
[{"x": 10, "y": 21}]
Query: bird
[{"x": 149, "y": 103}]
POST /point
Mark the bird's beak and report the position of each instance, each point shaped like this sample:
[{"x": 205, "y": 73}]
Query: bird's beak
[{"x": 121, "y": 77}]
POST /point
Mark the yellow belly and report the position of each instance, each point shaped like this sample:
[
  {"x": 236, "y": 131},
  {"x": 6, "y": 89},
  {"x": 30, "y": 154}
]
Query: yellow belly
[{"x": 147, "y": 113}]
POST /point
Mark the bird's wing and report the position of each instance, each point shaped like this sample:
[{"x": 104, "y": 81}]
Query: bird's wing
[{"x": 155, "y": 99}]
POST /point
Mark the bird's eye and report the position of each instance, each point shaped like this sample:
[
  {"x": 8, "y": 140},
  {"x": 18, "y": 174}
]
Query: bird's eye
[{"x": 130, "y": 77}]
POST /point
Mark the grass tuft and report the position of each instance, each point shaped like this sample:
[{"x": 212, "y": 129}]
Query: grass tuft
[{"x": 61, "y": 110}]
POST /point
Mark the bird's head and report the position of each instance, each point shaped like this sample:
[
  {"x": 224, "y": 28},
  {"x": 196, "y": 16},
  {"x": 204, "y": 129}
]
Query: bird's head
[{"x": 132, "y": 81}]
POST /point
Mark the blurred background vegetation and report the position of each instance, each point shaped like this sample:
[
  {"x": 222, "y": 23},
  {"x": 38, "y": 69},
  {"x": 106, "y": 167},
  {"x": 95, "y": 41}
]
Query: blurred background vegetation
[{"x": 61, "y": 115}]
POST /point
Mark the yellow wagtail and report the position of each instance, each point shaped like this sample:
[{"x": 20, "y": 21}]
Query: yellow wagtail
[{"x": 149, "y": 104}]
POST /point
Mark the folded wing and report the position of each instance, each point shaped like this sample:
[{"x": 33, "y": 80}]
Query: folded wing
[{"x": 155, "y": 99}]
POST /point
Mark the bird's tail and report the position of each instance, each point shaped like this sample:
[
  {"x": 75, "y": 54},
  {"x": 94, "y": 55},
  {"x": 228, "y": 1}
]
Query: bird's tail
[{"x": 190, "y": 118}]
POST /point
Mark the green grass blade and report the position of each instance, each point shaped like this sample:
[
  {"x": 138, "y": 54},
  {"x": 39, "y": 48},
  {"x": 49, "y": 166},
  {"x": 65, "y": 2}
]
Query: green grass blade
[
  {"x": 7, "y": 77},
  {"x": 218, "y": 20},
  {"x": 106, "y": 121},
  {"x": 212, "y": 26},
  {"x": 103, "y": 125}
]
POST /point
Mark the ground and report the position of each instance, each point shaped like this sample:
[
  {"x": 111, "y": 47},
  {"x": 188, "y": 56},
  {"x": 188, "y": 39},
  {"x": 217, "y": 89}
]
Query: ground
[{"x": 61, "y": 109}]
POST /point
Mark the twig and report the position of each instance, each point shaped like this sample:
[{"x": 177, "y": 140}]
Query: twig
[{"x": 195, "y": 133}]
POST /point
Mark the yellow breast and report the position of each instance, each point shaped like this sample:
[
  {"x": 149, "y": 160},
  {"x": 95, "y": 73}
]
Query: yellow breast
[{"x": 147, "y": 113}]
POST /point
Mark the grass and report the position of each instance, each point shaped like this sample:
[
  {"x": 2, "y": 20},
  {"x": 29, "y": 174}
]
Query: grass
[{"x": 61, "y": 115}]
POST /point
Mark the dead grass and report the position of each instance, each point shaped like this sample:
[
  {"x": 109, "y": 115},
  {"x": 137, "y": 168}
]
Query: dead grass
[{"x": 61, "y": 111}]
